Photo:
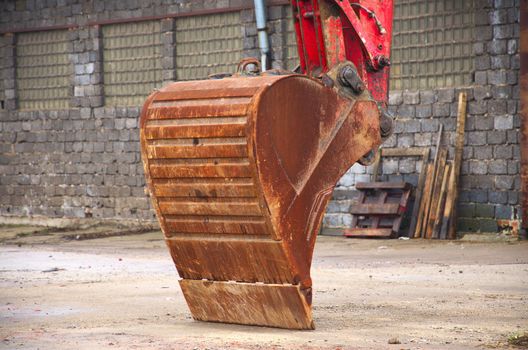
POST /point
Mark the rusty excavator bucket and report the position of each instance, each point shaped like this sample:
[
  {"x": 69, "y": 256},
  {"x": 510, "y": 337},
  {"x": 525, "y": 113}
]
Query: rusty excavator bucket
[{"x": 240, "y": 171}]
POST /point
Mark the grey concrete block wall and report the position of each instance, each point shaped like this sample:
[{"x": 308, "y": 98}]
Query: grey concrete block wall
[
  {"x": 277, "y": 17},
  {"x": 85, "y": 162},
  {"x": 490, "y": 181},
  {"x": 72, "y": 163}
]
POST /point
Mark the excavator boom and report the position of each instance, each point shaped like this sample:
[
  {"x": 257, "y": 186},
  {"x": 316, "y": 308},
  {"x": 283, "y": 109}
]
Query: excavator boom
[
  {"x": 330, "y": 32},
  {"x": 240, "y": 169}
]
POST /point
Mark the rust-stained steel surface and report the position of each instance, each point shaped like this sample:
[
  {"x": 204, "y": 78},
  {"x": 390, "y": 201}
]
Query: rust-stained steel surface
[
  {"x": 240, "y": 171},
  {"x": 524, "y": 112}
]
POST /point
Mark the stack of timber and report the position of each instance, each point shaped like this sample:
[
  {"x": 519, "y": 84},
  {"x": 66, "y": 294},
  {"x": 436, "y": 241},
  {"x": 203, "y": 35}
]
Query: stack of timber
[
  {"x": 434, "y": 215},
  {"x": 380, "y": 209},
  {"x": 436, "y": 212}
]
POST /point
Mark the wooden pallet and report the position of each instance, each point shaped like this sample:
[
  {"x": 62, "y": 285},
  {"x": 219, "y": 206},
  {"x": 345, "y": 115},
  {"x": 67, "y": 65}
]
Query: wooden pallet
[
  {"x": 380, "y": 209},
  {"x": 413, "y": 152}
]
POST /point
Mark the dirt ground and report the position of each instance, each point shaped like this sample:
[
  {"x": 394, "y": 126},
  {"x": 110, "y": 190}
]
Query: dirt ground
[{"x": 59, "y": 290}]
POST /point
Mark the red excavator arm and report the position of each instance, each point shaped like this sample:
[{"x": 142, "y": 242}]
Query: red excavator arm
[
  {"x": 241, "y": 168},
  {"x": 330, "y": 32}
]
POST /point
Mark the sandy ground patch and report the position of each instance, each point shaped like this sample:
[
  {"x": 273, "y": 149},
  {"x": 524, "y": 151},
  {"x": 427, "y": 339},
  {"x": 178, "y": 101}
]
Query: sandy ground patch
[{"x": 122, "y": 293}]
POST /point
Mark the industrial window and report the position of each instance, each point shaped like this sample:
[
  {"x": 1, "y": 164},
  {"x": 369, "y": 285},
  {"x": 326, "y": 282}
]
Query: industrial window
[
  {"x": 132, "y": 54},
  {"x": 291, "y": 60},
  {"x": 432, "y": 44},
  {"x": 207, "y": 44},
  {"x": 43, "y": 70}
]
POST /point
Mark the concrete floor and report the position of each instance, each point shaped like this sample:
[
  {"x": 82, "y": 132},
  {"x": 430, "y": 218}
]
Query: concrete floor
[{"x": 122, "y": 293}]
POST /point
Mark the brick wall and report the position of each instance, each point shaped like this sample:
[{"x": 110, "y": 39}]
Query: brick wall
[
  {"x": 83, "y": 161},
  {"x": 490, "y": 181}
]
